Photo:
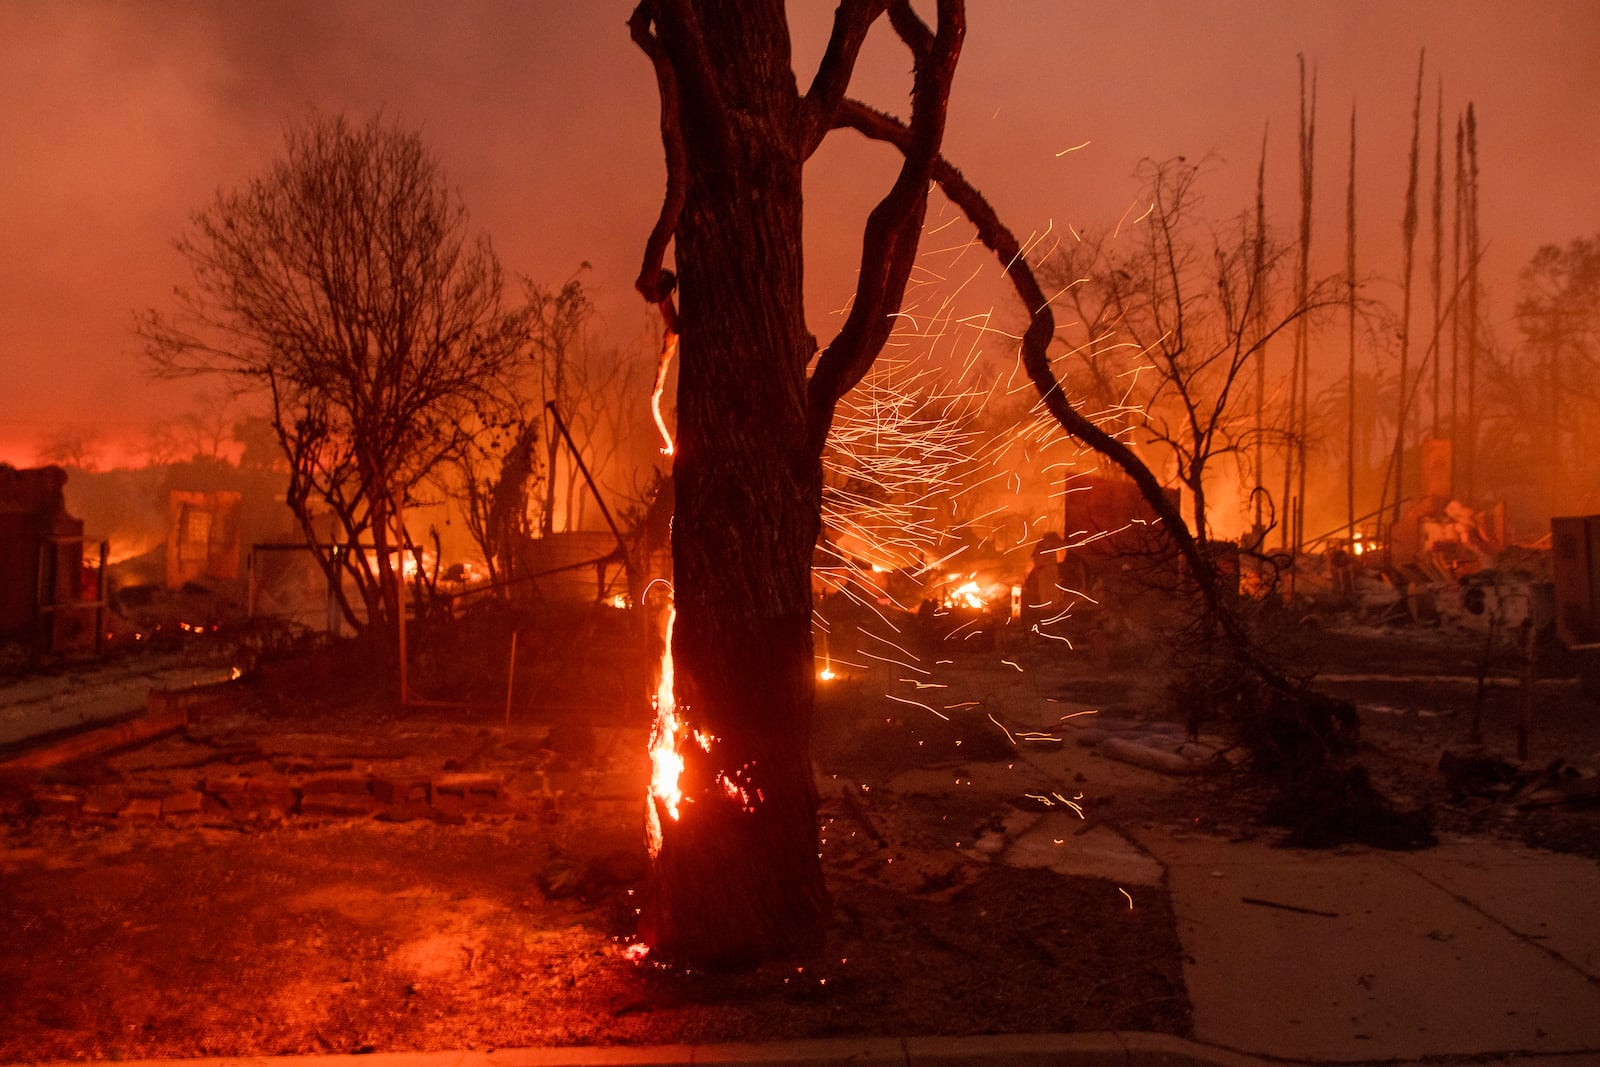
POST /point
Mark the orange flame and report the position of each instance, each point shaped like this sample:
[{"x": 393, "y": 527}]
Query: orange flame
[
  {"x": 666, "y": 762},
  {"x": 669, "y": 349},
  {"x": 966, "y": 595}
]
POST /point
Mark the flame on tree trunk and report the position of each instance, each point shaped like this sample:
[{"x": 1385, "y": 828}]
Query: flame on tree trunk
[
  {"x": 736, "y": 875},
  {"x": 736, "y": 871}
]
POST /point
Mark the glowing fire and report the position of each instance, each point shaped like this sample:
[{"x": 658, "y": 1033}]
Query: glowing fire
[
  {"x": 966, "y": 595},
  {"x": 669, "y": 349},
  {"x": 666, "y": 762},
  {"x": 666, "y": 755}
]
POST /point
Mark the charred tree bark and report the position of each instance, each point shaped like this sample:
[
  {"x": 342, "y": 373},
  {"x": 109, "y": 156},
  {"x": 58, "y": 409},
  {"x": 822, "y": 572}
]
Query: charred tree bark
[{"x": 736, "y": 875}]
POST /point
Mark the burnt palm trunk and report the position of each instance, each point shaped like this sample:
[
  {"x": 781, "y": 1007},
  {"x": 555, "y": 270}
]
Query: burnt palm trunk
[{"x": 1350, "y": 311}]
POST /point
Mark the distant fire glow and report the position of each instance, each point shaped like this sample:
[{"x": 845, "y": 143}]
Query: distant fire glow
[{"x": 966, "y": 595}]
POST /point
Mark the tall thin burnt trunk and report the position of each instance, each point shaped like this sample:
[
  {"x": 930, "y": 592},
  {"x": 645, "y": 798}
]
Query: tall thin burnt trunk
[
  {"x": 1302, "y": 324},
  {"x": 1436, "y": 272},
  {"x": 1350, "y": 374},
  {"x": 1456, "y": 435},
  {"x": 1409, "y": 235},
  {"x": 1258, "y": 274},
  {"x": 1474, "y": 255}
]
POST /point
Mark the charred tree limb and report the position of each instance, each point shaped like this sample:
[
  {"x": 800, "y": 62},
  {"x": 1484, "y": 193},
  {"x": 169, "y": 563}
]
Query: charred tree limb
[
  {"x": 680, "y": 20},
  {"x": 851, "y": 21},
  {"x": 889, "y": 243},
  {"x": 653, "y": 283}
]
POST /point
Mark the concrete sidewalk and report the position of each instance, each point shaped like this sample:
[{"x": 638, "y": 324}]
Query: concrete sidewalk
[{"x": 1472, "y": 948}]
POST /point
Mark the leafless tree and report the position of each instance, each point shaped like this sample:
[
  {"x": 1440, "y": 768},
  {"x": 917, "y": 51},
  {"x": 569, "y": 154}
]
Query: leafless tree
[
  {"x": 558, "y": 320},
  {"x": 77, "y": 447},
  {"x": 203, "y": 432},
  {"x": 1172, "y": 319},
  {"x": 1554, "y": 393},
  {"x": 344, "y": 284}
]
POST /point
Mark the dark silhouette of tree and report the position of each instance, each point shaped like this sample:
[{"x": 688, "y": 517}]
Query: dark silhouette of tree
[
  {"x": 1555, "y": 394},
  {"x": 344, "y": 284},
  {"x": 494, "y": 476},
  {"x": 736, "y": 874},
  {"x": 206, "y": 431},
  {"x": 80, "y": 448},
  {"x": 557, "y": 319}
]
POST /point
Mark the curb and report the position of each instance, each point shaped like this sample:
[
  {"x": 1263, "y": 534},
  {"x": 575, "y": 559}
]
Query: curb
[
  {"x": 166, "y": 711},
  {"x": 1099, "y": 1049}
]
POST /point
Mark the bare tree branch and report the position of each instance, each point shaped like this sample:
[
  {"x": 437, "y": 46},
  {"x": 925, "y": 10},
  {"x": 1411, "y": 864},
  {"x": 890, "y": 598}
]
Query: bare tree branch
[
  {"x": 889, "y": 243},
  {"x": 1036, "y": 361},
  {"x": 851, "y": 21},
  {"x": 653, "y": 283}
]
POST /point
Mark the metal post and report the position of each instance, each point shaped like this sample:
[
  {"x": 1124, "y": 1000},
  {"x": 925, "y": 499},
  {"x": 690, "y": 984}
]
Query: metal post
[
  {"x": 400, "y": 627},
  {"x": 100, "y": 603},
  {"x": 511, "y": 678}
]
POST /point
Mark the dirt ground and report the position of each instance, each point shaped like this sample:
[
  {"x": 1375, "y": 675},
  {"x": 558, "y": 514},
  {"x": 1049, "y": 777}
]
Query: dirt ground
[{"x": 503, "y": 921}]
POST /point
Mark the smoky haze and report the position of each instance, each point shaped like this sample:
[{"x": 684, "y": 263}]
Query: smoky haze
[{"x": 122, "y": 119}]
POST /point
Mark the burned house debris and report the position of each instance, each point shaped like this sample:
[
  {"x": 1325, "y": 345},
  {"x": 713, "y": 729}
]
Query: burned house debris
[{"x": 49, "y": 599}]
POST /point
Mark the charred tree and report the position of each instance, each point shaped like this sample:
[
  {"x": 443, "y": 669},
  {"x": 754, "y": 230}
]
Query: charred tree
[
  {"x": 1350, "y": 309},
  {"x": 1302, "y": 327},
  {"x": 1409, "y": 235},
  {"x": 1474, "y": 256},
  {"x": 736, "y": 875}
]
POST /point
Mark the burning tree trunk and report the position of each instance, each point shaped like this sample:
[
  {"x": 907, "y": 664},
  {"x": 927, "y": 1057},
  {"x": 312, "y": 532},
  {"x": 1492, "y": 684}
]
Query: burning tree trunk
[
  {"x": 737, "y": 871},
  {"x": 733, "y": 809}
]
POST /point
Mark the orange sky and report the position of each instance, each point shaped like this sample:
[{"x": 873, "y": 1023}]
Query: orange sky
[{"x": 119, "y": 119}]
